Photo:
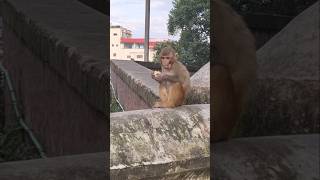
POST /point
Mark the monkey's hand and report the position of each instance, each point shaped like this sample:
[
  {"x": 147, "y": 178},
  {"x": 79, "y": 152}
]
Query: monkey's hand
[
  {"x": 170, "y": 77},
  {"x": 156, "y": 75}
]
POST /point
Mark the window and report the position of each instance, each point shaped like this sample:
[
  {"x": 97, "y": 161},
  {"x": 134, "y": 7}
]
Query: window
[
  {"x": 112, "y": 45},
  {"x": 139, "y": 56},
  {"x": 127, "y": 46},
  {"x": 129, "y": 57},
  {"x": 114, "y": 54},
  {"x": 117, "y": 45},
  {"x": 139, "y": 46},
  {"x": 115, "y": 34}
]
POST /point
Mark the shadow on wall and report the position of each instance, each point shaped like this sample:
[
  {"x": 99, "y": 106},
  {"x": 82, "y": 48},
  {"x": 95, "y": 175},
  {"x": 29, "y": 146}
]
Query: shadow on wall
[
  {"x": 285, "y": 99},
  {"x": 99, "y": 5}
]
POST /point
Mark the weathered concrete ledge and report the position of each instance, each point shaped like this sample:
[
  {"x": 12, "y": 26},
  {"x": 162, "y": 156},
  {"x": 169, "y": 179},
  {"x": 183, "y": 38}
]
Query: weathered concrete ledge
[
  {"x": 200, "y": 81},
  {"x": 84, "y": 166},
  {"x": 160, "y": 142},
  {"x": 293, "y": 53},
  {"x": 281, "y": 107},
  {"x": 286, "y": 98},
  {"x": 137, "y": 90},
  {"x": 291, "y": 157},
  {"x": 67, "y": 35}
]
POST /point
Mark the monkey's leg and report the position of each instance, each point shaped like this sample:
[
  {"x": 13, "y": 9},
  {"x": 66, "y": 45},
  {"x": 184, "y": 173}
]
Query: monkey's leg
[
  {"x": 175, "y": 96},
  {"x": 224, "y": 107},
  {"x": 163, "y": 94}
]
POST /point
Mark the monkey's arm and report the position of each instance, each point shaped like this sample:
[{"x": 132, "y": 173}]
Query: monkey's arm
[
  {"x": 169, "y": 77},
  {"x": 165, "y": 77}
]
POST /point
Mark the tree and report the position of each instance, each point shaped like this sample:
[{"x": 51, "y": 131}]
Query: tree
[
  {"x": 279, "y": 7},
  {"x": 192, "y": 19}
]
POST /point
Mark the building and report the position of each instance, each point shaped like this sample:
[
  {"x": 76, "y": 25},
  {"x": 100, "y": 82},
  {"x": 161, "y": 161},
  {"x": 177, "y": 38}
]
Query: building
[{"x": 124, "y": 47}]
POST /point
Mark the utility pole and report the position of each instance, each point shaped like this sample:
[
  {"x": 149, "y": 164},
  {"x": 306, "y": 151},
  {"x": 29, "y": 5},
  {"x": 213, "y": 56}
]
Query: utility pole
[{"x": 146, "y": 31}]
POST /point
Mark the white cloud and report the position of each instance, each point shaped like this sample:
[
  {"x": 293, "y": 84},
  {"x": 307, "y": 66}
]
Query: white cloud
[
  {"x": 158, "y": 4},
  {"x": 130, "y": 14}
]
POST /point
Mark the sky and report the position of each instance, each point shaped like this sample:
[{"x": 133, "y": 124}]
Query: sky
[{"x": 130, "y": 14}]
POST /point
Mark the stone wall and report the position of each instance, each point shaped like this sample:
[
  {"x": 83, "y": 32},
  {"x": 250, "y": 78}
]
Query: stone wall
[
  {"x": 285, "y": 99},
  {"x": 85, "y": 166},
  {"x": 160, "y": 143},
  {"x": 200, "y": 86},
  {"x": 55, "y": 53},
  {"x": 291, "y": 157}
]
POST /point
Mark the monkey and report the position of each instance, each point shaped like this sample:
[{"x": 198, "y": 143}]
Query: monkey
[
  {"x": 174, "y": 80},
  {"x": 233, "y": 68}
]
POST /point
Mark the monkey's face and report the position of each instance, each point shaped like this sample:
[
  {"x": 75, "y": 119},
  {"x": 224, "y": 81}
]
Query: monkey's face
[{"x": 167, "y": 61}]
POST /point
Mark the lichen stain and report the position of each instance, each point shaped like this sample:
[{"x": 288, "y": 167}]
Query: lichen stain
[
  {"x": 157, "y": 137},
  {"x": 272, "y": 167}
]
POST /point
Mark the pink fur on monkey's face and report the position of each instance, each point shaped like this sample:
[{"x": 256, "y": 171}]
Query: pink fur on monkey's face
[{"x": 167, "y": 61}]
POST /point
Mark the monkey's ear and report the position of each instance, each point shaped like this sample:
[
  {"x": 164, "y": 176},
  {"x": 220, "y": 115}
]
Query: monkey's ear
[{"x": 176, "y": 56}]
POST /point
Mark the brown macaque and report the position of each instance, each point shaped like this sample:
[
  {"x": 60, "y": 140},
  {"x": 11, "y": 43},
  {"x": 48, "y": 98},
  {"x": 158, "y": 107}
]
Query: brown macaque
[
  {"x": 234, "y": 68},
  {"x": 174, "y": 80}
]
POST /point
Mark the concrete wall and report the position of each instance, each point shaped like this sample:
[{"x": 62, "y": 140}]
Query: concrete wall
[
  {"x": 56, "y": 59},
  {"x": 293, "y": 157},
  {"x": 160, "y": 143},
  {"x": 200, "y": 86},
  {"x": 78, "y": 167},
  {"x": 286, "y": 98}
]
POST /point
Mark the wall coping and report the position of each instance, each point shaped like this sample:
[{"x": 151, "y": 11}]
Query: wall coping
[
  {"x": 69, "y": 37},
  {"x": 83, "y": 166},
  {"x": 293, "y": 53},
  {"x": 292, "y": 156},
  {"x": 275, "y": 157},
  {"x": 200, "y": 86},
  {"x": 157, "y": 142}
]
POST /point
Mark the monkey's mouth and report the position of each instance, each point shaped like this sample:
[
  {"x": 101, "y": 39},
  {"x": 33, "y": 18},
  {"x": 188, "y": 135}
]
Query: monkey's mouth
[{"x": 166, "y": 66}]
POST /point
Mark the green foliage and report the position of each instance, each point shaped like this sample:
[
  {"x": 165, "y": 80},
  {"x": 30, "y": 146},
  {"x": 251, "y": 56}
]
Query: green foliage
[
  {"x": 15, "y": 144},
  {"x": 114, "y": 106},
  {"x": 280, "y": 7},
  {"x": 191, "y": 19}
]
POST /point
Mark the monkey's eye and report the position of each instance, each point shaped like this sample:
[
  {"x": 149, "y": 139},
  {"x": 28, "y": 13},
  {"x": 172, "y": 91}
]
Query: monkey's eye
[{"x": 165, "y": 57}]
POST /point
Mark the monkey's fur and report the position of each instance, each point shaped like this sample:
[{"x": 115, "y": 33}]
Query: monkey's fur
[
  {"x": 174, "y": 80},
  {"x": 234, "y": 68}
]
